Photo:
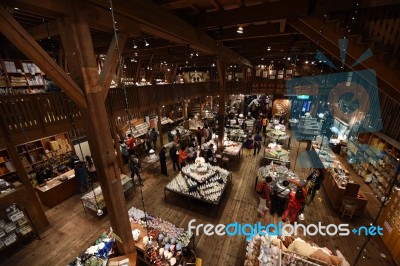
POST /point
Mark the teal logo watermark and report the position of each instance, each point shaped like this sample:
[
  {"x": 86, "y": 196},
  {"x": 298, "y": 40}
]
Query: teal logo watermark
[
  {"x": 346, "y": 104},
  {"x": 281, "y": 229}
]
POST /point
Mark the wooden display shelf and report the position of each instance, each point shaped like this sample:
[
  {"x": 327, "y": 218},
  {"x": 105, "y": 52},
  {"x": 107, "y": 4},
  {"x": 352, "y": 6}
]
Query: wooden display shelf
[
  {"x": 57, "y": 191},
  {"x": 337, "y": 193}
]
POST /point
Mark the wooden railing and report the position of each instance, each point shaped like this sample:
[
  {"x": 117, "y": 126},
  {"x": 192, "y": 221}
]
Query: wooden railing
[
  {"x": 25, "y": 112},
  {"x": 39, "y": 115}
]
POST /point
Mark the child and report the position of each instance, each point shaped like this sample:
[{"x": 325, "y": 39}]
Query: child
[
  {"x": 295, "y": 203},
  {"x": 264, "y": 193}
]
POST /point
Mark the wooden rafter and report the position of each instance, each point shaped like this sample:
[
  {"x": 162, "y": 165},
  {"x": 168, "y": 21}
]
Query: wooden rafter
[
  {"x": 152, "y": 18},
  {"x": 111, "y": 62},
  {"x": 27, "y": 45},
  {"x": 279, "y": 10},
  {"x": 388, "y": 79}
]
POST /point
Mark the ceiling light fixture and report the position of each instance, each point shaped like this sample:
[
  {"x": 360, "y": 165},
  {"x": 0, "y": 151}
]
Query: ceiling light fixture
[
  {"x": 240, "y": 30},
  {"x": 134, "y": 45},
  {"x": 269, "y": 48},
  {"x": 306, "y": 62},
  {"x": 146, "y": 43}
]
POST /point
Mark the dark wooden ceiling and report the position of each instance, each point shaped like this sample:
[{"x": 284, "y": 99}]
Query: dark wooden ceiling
[{"x": 267, "y": 34}]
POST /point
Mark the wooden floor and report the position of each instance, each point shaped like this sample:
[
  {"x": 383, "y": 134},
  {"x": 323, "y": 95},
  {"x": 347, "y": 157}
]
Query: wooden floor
[{"x": 71, "y": 231}]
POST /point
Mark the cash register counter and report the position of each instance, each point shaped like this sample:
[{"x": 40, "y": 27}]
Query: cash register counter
[{"x": 335, "y": 187}]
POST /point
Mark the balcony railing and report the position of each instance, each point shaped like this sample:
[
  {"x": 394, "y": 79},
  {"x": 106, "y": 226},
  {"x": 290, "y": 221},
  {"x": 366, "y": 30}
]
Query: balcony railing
[{"x": 27, "y": 112}]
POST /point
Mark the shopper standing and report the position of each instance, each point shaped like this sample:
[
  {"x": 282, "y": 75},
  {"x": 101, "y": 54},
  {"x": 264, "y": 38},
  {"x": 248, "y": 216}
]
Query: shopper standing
[
  {"x": 163, "y": 161},
  {"x": 134, "y": 168},
  {"x": 279, "y": 198},
  {"x": 130, "y": 143},
  {"x": 198, "y": 135},
  {"x": 248, "y": 145},
  {"x": 91, "y": 169},
  {"x": 295, "y": 204},
  {"x": 153, "y": 137},
  {"x": 314, "y": 183},
  {"x": 182, "y": 158},
  {"x": 264, "y": 194},
  {"x": 173, "y": 153},
  {"x": 257, "y": 143},
  {"x": 81, "y": 175}
]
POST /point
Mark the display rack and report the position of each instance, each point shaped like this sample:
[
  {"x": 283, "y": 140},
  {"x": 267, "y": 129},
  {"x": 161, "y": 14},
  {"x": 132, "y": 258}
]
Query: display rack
[
  {"x": 390, "y": 222},
  {"x": 138, "y": 129},
  {"x": 94, "y": 199},
  {"x": 15, "y": 227},
  {"x": 165, "y": 235},
  {"x": 9, "y": 180},
  {"x": 308, "y": 128},
  {"x": 204, "y": 187},
  {"x": 21, "y": 77},
  {"x": 373, "y": 157},
  {"x": 54, "y": 151}
]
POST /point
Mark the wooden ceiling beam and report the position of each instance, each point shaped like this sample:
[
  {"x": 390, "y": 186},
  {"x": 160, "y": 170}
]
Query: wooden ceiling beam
[
  {"x": 388, "y": 79},
  {"x": 255, "y": 32},
  {"x": 153, "y": 17},
  {"x": 279, "y": 10},
  {"x": 13, "y": 31},
  {"x": 99, "y": 19}
]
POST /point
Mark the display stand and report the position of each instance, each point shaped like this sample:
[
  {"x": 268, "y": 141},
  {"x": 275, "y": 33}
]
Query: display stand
[
  {"x": 163, "y": 233},
  {"x": 93, "y": 200},
  {"x": 16, "y": 228},
  {"x": 338, "y": 184},
  {"x": 274, "y": 153},
  {"x": 151, "y": 162},
  {"x": 208, "y": 186}
]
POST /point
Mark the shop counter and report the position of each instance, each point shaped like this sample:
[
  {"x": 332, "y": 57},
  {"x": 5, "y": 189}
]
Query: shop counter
[
  {"x": 55, "y": 191},
  {"x": 336, "y": 188}
]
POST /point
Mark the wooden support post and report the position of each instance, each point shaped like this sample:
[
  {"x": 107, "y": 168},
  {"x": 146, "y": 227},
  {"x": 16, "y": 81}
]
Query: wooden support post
[
  {"x": 160, "y": 127},
  {"x": 116, "y": 144},
  {"x": 34, "y": 208},
  {"x": 98, "y": 128},
  {"x": 221, "y": 68},
  {"x": 111, "y": 62}
]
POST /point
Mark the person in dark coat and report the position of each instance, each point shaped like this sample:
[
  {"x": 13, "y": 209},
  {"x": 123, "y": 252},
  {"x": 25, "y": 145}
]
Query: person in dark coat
[
  {"x": 198, "y": 135},
  {"x": 173, "y": 153},
  {"x": 314, "y": 183},
  {"x": 134, "y": 168},
  {"x": 81, "y": 175},
  {"x": 163, "y": 161},
  {"x": 279, "y": 198}
]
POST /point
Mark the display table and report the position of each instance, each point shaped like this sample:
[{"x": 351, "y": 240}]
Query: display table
[
  {"x": 277, "y": 135},
  {"x": 56, "y": 191},
  {"x": 274, "y": 153},
  {"x": 338, "y": 184},
  {"x": 164, "y": 234},
  {"x": 208, "y": 188},
  {"x": 151, "y": 162},
  {"x": 277, "y": 173},
  {"x": 89, "y": 201},
  {"x": 232, "y": 148}
]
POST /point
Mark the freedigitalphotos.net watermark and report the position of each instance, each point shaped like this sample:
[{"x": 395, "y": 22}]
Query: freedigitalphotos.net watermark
[{"x": 281, "y": 229}]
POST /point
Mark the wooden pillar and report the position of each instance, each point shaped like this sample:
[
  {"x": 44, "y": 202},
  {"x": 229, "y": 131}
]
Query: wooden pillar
[
  {"x": 116, "y": 144},
  {"x": 160, "y": 127},
  {"x": 34, "y": 209},
  {"x": 76, "y": 38},
  {"x": 221, "y": 68},
  {"x": 211, "y": 103}
]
